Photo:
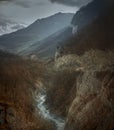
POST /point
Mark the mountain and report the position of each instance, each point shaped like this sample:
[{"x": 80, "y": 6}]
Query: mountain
[
  {"x": 46, "y": 48},
  {"x": 87, "y": 14},
  {"x": 75, "y": 91},
  {"x": 90, "y": 53},
  {"x": 97, "y": 35},
  {"x": 37, "y": 31}
]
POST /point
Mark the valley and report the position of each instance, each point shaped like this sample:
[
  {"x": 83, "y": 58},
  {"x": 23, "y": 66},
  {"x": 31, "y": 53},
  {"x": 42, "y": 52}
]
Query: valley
[{"x": 58, "y": 73}]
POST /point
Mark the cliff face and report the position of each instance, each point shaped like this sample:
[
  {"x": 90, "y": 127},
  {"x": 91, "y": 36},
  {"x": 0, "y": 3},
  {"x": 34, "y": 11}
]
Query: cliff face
[
  {"x": 93, "y": 106},
  {"x": 91, "y": 53},
  {"x": 89, "y": 56}
]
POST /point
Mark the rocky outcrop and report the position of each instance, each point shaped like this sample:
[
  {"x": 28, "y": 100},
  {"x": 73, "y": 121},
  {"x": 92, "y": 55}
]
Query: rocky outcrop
[
  {"x": 93, "y": 111},
  {"x": 60, "y": 92},
  {"x": 91, "y": 50},
  {"x": 93, "y": 106}
]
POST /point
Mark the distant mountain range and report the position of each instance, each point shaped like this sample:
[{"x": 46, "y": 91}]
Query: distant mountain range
[
  {"x": 43, "y": 36},
  {"x": 41, "y": 29},
  {"x": 46, "y": 48}
]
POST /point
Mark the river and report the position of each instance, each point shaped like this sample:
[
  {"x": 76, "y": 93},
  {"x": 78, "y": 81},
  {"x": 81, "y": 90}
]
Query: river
[{"x": 46, "y": 114}]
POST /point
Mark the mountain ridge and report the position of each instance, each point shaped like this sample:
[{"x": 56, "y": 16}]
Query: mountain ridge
[
  {"x": 46, "y": 48},
  {"x": 87, "y": 14},
  {"x": 36, "y": 31},
  {"x": 95, "y": 36}
]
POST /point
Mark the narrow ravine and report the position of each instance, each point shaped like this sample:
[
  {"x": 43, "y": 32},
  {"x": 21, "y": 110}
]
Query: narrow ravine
[{"x": 46, "y": 114}]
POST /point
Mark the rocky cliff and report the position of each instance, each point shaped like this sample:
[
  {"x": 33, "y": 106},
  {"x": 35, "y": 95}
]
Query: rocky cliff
[
  {"x": 93, "y": 105},
  {"x": 91, "y": 53}
]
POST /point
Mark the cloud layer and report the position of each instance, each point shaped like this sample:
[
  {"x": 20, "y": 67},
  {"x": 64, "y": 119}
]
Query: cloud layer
[
  {"x": 72, "y": 2},
  {"x": 24, "y": 3},
  {"x": 28, "y": 3},
  {"x": 7, "y": 26}
]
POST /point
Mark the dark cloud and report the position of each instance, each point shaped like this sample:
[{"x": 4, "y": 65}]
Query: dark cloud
[
  {"x": 24, "y": 3},
  {"x": 15, "y": 14},
  {"x": 6, "y": 0},
  {"x": 72, "y": 2},
  {"x": 28, "y": 3}
]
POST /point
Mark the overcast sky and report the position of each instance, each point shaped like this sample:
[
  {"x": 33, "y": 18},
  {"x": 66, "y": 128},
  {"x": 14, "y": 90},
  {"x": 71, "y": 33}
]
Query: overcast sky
[{"x": 27, "y": 11}]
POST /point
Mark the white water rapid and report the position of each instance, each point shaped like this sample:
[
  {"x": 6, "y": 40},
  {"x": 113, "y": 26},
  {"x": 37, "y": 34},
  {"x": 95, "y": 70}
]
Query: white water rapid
[{"x": 46, "y": 114}]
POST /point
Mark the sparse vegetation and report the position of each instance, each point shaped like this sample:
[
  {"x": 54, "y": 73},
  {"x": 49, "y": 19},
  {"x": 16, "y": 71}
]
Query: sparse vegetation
[
  {"x": 61, "y": 91},
  {"x": 17, "y": 82}
]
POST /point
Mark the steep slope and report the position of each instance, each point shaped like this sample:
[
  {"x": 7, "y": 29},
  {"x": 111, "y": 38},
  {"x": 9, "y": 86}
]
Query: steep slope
[
  {"x": 98, "y": 35},
  {"x": 37, "y": 31},
  {"x": 17, "y": 86},
  {"x": 90, "y": 12},
  {"x": 93, "y": 105},
  {"x": 46, "y": 48},
  {"x": 91, "y": 53}
]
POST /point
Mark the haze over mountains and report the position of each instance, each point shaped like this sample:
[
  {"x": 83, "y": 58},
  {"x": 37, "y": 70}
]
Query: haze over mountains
[
  {"x": 8, "y": 27},
  {"x": 46, "y": 48},
  {"x": 43, "y": 36},
  {"x": 39, "y": 30}
]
